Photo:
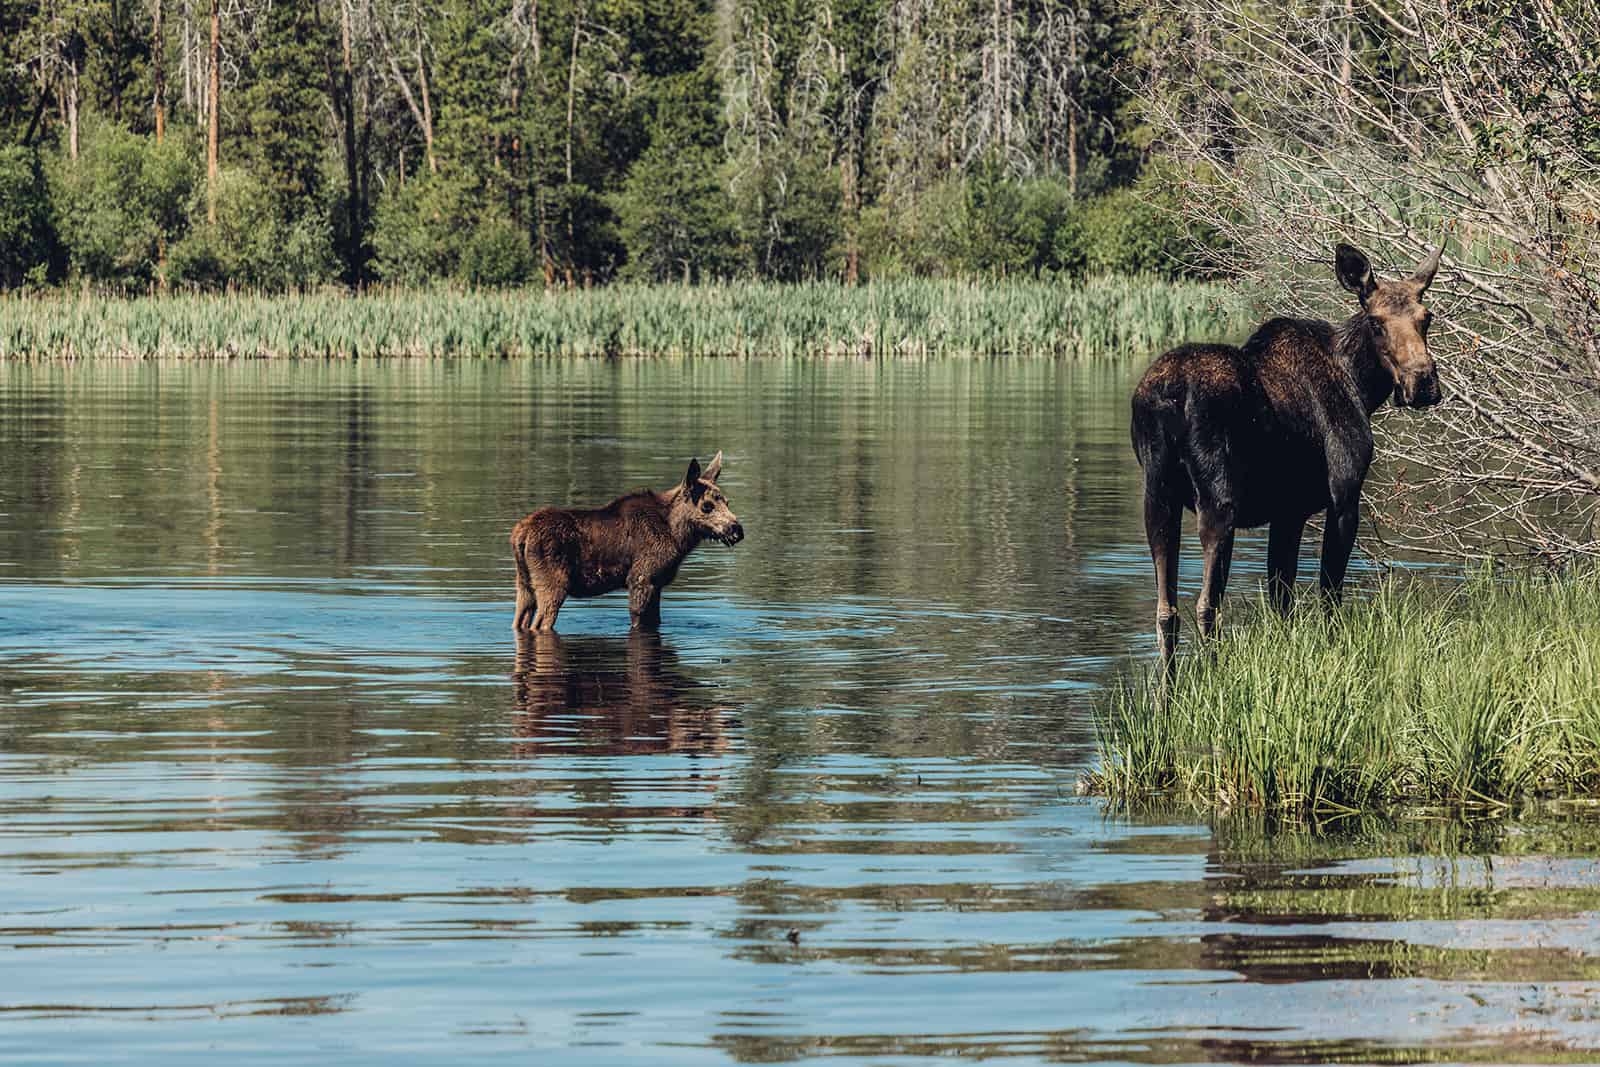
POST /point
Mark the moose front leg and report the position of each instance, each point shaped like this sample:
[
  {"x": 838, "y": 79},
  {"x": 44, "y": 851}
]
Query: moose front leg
[
  {"x": 1338, "y": 540},
  {"x": 644, "y": 603}
]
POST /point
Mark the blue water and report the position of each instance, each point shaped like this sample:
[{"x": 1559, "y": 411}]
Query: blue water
[{"x": 278, "y": 782}]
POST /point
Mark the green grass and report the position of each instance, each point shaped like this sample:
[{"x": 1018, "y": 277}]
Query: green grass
[
  {"x": 1484, "y": 692},
  {"x": 915, "y": 318}
]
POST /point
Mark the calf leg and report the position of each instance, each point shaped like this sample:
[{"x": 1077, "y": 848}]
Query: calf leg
[
  {"x": 1283, "y": 561},
  {"x": 1163, "y": 527},
  {"x": 644, "y": 604},
  {"x": 527, "y": 605},
  {"x": 1338, "y": 539},
  {"x": 526, "y": 602},
  {"x": 1216, "y": 543},
  {"x": 549, "y": 597}
]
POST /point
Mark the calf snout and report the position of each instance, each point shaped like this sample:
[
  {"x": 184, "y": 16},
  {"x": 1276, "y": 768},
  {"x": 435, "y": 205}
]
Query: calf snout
[{"x": 734, "y": 535}]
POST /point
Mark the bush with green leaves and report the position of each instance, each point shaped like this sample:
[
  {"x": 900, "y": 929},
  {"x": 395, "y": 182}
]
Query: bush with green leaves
[
  {"x": 29, "y": 250},
  {"x": 417, "y": 229},
  {"x": 251, "y": 245},
  {"x": 789, "y": 217},
  {"x": 676, "y": 219},
  {"x": 121, "y": 202},
  {"x": 497, "y": 254}
]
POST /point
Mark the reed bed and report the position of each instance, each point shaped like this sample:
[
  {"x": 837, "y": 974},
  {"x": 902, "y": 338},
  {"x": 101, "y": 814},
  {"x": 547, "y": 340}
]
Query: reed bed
[
  {"x": 1481, "y": 693},
  {"x": 914, "y": 318}
]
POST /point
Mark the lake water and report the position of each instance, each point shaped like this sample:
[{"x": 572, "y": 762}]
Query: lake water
[{"x": 278, "y": 783}]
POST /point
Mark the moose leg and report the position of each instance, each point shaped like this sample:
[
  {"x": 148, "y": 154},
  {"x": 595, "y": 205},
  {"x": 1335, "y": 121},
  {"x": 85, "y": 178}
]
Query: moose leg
[
  {"x": 644, "y": 604},
  {"x": 549, "y": 599},
  {"x": 1163, "y": 529},
  {"x": 1283, "y": 561},
  {"x": 527, "y": 603},
  {"x": 1216, "y": 543},
  {"x": 527, "y": 606},
  {"x": 1338, "y": 539}
]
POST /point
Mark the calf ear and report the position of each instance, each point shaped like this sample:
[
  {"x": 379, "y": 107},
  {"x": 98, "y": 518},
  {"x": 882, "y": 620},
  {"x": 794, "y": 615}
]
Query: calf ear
[
  {"x": 1354, "y": 272},
  {"x": 1429, "y": 268},
  {"x": 692, "y": 479},
  {"x": 714, "y": 468}
]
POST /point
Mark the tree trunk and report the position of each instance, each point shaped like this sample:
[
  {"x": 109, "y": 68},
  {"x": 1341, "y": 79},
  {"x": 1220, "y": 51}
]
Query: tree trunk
[
  {"x": 572, "y": 95},
  {"x": 213, "y": 127},
  {"x": 1072, "y": 107},
  {"x": 572, "y": 87},
  {"x": 427, "y": 112},
  {"x": 852, "y": 214},
  {"x": 72, "y": 113},
  {"x": 351, "y": 169},
  {"x": 158, "y": 70}
]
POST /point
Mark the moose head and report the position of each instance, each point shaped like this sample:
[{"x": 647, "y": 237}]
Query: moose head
[
  {"x": 1399, "y": 323},
  {"x": 703, "y": 506}
]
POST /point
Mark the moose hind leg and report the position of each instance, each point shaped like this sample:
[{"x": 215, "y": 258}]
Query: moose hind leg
[
  {"x": 1216, "y": 545},
  {"x": 527, "y": 607},
  {"x": 1283, "y": 561},
  {"x": 549, "y": 600},
  {"x": 1163, "y": 528},
  {"x": 1338, "y": 540}
]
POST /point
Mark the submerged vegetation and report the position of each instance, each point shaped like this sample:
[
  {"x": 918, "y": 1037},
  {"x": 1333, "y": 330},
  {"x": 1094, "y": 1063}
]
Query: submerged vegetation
[
  {"x": 1483, "y": 693},
  {"x": 1101, "y": 317}
]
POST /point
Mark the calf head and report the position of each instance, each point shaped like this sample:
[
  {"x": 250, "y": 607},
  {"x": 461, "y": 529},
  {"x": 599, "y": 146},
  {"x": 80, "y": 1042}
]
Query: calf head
[
  {"x": 704, "y": 507},
  {"x": 1400, "y": 323}
]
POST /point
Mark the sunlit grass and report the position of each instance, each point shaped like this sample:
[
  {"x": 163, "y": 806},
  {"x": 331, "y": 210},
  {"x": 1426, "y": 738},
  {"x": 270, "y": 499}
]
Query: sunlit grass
[
  {"x": 1484, "y": 692},
  {"x": 1105, "y": 317}
]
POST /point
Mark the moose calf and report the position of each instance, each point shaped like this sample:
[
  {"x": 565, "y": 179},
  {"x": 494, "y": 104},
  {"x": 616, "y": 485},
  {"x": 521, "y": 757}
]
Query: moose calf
[{"x": 637, "y": 541}]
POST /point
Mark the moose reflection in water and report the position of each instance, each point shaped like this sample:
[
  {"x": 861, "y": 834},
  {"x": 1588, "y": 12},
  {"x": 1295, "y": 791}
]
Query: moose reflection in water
[
  {"x": 1270, "y": 433},
  {"x": 613, "y": 697}
]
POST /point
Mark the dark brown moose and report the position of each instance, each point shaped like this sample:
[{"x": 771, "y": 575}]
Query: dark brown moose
[
  {"x": 1270, "y": 433},
  {"x": 637, "y": 541}
]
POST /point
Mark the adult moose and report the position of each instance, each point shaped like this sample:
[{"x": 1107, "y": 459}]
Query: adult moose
[{"x": 1270, "y": 433}]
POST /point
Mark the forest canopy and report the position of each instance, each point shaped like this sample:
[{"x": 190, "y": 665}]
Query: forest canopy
[{"x": 147, "y": 144}]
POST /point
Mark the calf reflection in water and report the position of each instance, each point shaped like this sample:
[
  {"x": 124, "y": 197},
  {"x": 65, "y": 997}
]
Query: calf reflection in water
[{"x": 605, "y": 696}]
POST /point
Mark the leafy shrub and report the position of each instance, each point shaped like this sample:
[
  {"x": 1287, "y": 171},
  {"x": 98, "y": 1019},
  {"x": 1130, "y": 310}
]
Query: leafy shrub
[
  {"x": 121, "y": 202},
  {"x": 29, "y": 250},
  {"x": 417, "y": 229},
  {"x": 789, "y": 217},
  {"x": 250, "y": 244},
  {"x": 497, "y": 254},
  {"x": 675, "y": 217}
]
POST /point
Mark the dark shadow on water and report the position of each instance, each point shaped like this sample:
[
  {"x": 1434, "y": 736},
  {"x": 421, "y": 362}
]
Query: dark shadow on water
[{"x": 610, "y": 696}]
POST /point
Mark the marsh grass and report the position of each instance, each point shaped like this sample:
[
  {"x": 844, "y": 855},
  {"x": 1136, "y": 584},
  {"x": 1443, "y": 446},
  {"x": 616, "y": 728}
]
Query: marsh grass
[
  {"x": 1482, "y": 693},
  {"x": 1105, "y": 317}
]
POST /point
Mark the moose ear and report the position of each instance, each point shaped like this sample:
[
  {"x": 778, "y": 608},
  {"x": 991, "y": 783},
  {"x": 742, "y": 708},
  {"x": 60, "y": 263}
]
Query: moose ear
[
  {"x": 714, "y": 468},
  {"x": 692, "y": 479},
  {"x": 1354, "y": 272},
  {"x": 1429, "y": 268}
]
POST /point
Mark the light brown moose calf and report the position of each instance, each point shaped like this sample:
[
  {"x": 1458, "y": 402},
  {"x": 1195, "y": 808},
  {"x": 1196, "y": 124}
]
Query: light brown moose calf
[{"x": 636, "y": 541}]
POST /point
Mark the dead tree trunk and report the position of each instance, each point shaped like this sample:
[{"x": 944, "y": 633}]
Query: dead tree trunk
[
  {"x": 214, "y": 123},
  {"x": 158, "y": 71}
]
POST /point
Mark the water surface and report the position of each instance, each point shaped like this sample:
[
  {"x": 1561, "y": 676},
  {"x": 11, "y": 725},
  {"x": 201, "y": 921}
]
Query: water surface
[{"x": 277, "y": 781}]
